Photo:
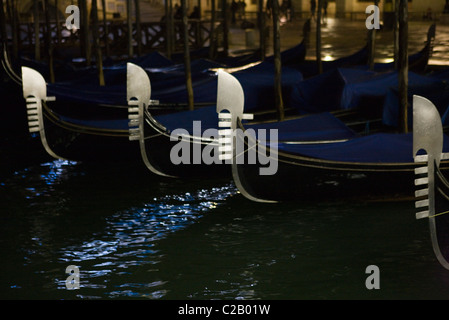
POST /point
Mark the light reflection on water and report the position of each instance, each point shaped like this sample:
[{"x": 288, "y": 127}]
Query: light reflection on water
[
  {"x": 168, "y": 239},
  {"x": 56, "y": 170},
  {"x": 339, "y": 37},
  {"x": 40, "y": 181},
  {"x": 55, "y": 203},
  {"x": 130, "y": 237},
  {"x": 145, "y": 245}
]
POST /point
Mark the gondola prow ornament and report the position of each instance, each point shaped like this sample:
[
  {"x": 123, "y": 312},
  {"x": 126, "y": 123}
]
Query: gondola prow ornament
[
  {"x": 232, "y": 140},
  {"x": 433, "y": 198},
  {"x": 35, "y": 93},
  {"x": 230, "y": 105}
]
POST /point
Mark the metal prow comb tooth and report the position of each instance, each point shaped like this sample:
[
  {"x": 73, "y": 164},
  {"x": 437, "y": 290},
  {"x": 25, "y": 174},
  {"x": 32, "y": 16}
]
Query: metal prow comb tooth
[
  {"x": 421, "y": 158},
  {"x": 421, "y": 181},
  {"x": 422, "y": 203},
  {"x": 423, "y": 173},
  {"x": 133, "y": 123},
  {"x": 134, "y": 130},
  {"x": 134, "y": 120},
  {"x": 422, "y": 214},
  {"x": 421, "y": 193},
  {"x": 33, "y": 115},
  {"x": 225, "y": 136},
  {"x": 421, "y": 170}
]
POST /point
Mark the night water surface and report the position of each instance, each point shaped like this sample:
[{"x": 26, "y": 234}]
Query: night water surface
[{"x": 135, "y": 235}]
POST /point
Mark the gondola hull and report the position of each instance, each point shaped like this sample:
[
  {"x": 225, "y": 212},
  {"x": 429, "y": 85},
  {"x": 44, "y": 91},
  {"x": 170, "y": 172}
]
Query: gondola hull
[
  {"x": 440, "y": 222},
  {"x": 76, "y": 143},
  {"x": 314, "y": 166},
  {"x": 432, "y": 186},
  {"x": 181, "y": 156},
  {"x": 306, "y": 179},
  {"x": 70, "y": 138}
]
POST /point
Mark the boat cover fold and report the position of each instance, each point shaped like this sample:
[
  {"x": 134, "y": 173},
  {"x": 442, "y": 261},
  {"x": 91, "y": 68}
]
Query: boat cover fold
[
  {"x": 323, "y": 126},
  {"x": 376, "y": 148}
]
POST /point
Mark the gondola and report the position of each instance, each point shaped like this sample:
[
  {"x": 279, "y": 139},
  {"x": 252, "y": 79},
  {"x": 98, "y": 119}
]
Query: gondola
[
  {"x": 176, "y": 145},
  {"x": 309, "y": 68},
  {"x": 138, "y": 95},
  {"x": 432, "y": 186},
  {"x": 290, "y": 56},
  {"x": 94, "y": 136},
  {"x": 79, "y": 96},
  {"x": 63, "y": 137},
  {"x": 89, "y": 137},
  {"x": 195, "y": 133},
  {"x": 155, "y": 132},
  {"x": 84, "y": 128},
  {"x": 418, "y": 61},
  {"x": 372, "y": 165},
  {"x": 167, "y": 78},
  {"x": 96, "y": 100}
]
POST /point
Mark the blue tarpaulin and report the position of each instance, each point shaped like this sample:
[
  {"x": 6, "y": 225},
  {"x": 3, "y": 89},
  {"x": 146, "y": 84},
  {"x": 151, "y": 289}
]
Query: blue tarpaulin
[
  {"x": 375, "y": 148},
  {"x": 322, "y": 126}
]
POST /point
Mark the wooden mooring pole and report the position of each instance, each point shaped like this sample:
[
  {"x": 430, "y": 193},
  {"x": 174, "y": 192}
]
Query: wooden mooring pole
[
  {"x": 3, "y": 27},
  {"x": 15, "y": 29},
  {"x": 318, "y": 37},
  {"x": 372, "y": 43},
  {"x": 96, "y": 40},
  {"x": 48, "y": 41},
  {"x": 130, "y": 28},
  {"x": 224, "y": 8},
  {"x": 37, "y": 42},
  {"x": 261, "y": 23},
  {"x": 58, "y": 26},
  {"x": 172, "y": 39},
  {"x": 396, "y": 34},
  {"x": 105, "y": 29},
  {"x": 138, "y": 27},
  {"x": 277, "y": 61},
  {"x": 84, "y": 35},
  {"x": 188, "y": 73},
  {"x": 403, "y": 65},
  {"x": 212, "y": 40},
  {"x": 167, "y": 29}
]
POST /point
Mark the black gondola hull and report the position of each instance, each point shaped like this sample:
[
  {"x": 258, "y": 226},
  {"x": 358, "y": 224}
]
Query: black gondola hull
[
  {"x": 182, "y": 156},
  {"x": 440, "y": 221},
  {"x": 300, "y": 178},
  {"x": 82, "y": 144}
]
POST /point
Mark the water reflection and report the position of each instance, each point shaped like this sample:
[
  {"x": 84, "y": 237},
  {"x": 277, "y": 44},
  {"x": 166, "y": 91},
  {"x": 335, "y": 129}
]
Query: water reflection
[
  {"x": 172, "y": 239},
  {"x": 130, "y": 238},
  {"x": 40, "y": 181},
  {"x": 56, "y": 170},
  {"x": 340, "y": 37}
]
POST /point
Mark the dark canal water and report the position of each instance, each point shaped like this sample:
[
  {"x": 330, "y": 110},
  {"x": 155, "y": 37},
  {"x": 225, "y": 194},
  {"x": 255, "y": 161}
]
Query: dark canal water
[{"x": 134, "y": 235}]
